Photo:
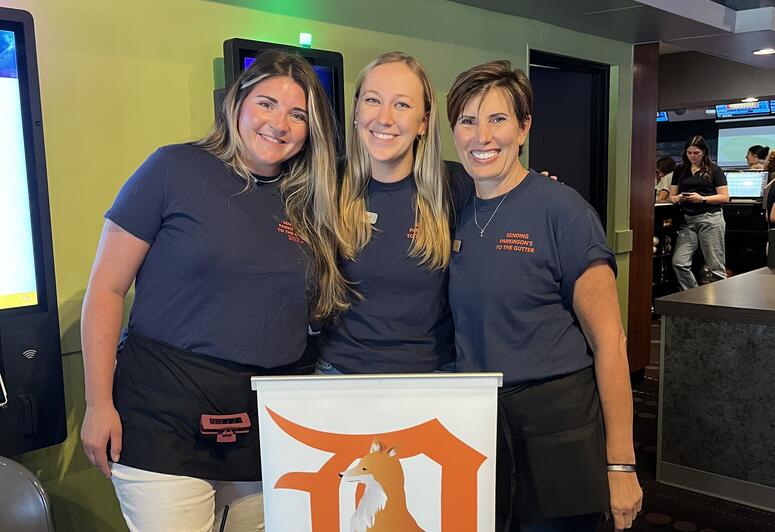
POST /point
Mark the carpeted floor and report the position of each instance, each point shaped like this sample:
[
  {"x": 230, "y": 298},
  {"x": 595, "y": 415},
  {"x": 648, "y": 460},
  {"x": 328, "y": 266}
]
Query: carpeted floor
[{"x": 666, "y": 508}]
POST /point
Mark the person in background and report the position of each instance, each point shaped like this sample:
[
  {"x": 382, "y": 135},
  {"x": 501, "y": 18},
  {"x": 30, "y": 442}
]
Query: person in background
[
  {"x": 769, "y": 191},
  {"x": 665, "y": 167},
  {"x": 700, "y": 187},
  {"x": 533, "y": 295},
  {"x": 231, "y": 243},
  {"x": 757, "y": 157}
]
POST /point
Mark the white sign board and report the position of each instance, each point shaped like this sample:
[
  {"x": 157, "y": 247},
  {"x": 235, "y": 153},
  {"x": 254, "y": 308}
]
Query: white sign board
[{"x": 378, "y": 452}]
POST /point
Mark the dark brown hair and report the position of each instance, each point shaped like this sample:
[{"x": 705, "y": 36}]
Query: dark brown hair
[
  {"x": 665, "y": 165},
  {"x": 481, "y": 79},
  {"x": 705, "y": 165}
]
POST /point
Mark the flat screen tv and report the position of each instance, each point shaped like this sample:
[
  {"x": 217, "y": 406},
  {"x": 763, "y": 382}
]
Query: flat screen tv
[
  {"x": 32, "y": 413},
  {"x": 239, "y": 54},
  {"x": 733, "y": 143}
]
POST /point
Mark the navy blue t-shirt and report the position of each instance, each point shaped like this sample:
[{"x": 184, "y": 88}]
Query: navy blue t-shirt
[
  {"x": 511, "y": 290},
  {"x": 225, "y": 273},
  {"x": 403, "y": 323}
]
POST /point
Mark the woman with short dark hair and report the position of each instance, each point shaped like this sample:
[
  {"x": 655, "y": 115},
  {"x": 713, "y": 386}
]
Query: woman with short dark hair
[{"x": 533, "y": 296}]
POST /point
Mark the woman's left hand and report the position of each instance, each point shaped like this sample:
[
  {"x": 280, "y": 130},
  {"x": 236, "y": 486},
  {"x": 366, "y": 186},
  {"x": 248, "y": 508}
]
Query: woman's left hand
[{"x": 626, "y": 498}]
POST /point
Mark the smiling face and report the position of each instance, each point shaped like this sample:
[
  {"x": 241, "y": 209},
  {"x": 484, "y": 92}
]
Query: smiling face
[
  {"x": 390, "y": 114},
  {"x": 488, "y": 137},
  {"x": 273, "y": 124},
  {"x": 695, "y": 155}
]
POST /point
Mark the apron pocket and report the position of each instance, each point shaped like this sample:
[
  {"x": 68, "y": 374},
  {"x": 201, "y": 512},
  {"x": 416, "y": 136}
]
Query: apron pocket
[{"x": 562, "y": 474}]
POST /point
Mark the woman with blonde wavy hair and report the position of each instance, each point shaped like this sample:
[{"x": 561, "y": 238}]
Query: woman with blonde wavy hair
[
  {"x": 395, "y": 222},
  {"x": 231, "y": 243}
]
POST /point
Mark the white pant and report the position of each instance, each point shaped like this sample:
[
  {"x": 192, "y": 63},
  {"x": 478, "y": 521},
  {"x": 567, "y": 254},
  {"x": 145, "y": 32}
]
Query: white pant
[{"x": 157, "y": 502}]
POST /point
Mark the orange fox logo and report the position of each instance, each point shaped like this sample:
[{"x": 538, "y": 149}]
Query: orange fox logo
[{"x": 383, "y": 505}]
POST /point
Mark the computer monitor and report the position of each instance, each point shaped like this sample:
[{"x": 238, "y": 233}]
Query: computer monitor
[
  {"x": 239, "y": 54},
  {"x": 32, "y": 413},
  {"x": 746, "y": 184},
  {"x": 662, "y": 116}
]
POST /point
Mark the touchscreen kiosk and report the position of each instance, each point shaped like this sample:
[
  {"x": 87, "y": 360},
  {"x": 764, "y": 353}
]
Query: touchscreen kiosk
[{"x": 32, "y": 413}]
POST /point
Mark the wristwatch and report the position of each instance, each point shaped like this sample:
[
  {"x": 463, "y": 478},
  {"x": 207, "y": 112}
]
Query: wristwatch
[{"x": 704, "y": 199}]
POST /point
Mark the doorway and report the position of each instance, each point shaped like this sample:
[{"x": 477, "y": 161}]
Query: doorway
[{"x": 569, "y": 133}]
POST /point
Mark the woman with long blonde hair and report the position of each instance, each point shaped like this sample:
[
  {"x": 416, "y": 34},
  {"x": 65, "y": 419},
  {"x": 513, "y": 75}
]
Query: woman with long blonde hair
[
  {"x": 394, "y": 207},
  {"x": 231, "y": 243}
]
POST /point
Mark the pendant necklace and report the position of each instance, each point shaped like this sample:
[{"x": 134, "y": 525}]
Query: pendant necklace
[{"x": 476, "y": 221}]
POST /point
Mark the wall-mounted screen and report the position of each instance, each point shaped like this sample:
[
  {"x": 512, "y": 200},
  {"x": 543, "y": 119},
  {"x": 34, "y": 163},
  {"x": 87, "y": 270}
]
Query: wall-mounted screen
[
  {"x": 239, "y": 54},
  {"x": 746, "y": 184},
  {"x": 735, "y": 110},
  {"x": 18, "y": 280},
  {"x": 662, "y": 116},
  {"x": 325, "y": 75},
  {"x": 733, "y": 143}
]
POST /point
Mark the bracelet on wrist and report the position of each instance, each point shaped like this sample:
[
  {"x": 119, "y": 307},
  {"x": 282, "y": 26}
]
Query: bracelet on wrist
[{"x": 623, "y": 468}]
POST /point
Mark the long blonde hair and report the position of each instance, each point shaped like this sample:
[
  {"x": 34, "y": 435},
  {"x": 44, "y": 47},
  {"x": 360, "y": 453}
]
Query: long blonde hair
[
  {"x": 432, "y": 241},
  {"x": 308, "y": 185}
]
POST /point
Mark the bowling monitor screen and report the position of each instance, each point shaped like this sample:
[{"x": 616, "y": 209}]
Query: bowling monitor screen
[{"x": 18, "y": 279}]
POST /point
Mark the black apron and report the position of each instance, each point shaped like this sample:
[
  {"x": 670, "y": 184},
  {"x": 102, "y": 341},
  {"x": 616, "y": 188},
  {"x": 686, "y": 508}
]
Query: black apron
[
  {"x": 161, "y": 392},
  {"x": 551, "y": 458}
]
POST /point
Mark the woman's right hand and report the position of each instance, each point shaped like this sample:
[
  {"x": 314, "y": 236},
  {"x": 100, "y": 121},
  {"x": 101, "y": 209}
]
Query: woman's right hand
[{"x": 101, "y": 425}]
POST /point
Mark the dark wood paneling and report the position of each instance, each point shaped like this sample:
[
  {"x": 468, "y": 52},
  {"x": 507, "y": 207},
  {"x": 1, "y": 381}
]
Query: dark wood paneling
[{"x": 644, "y": 147}]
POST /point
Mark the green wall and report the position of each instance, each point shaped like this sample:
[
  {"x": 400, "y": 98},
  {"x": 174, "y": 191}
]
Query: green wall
[{"x": 120, "y": 78}]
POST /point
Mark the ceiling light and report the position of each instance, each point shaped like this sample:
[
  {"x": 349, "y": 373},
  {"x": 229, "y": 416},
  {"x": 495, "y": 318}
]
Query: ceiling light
[
  {"x": 750, "y": 99},
  {"x": 764, "y": 51}
]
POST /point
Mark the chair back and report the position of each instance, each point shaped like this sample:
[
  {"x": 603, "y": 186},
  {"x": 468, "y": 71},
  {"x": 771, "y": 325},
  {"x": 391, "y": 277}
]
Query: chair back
[{"x": 23, "y": 502}]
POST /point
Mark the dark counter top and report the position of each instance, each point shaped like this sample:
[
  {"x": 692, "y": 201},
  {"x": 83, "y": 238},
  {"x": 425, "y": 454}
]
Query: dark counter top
[{"x": 744, "y": 298}]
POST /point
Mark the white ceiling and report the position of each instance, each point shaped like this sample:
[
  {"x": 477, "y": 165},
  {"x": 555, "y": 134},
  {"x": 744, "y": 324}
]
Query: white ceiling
[{"x": 732, "y": 29}]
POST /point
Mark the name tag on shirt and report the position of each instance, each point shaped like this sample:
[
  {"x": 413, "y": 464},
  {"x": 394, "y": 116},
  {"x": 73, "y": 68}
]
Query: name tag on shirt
[
  {"x": 457, "y": 245},
  {"x": 372, "y": 216}
]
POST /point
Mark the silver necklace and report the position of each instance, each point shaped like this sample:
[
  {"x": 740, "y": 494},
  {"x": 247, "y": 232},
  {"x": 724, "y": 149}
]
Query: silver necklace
[
  {"x": 265, "y": 181},
  {"x": 476, "y": 221}
]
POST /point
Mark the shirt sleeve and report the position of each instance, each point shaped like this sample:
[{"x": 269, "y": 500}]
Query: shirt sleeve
[
  {"x": 582, "y": 244},
  {"x": 664, "y": 183},
  {"x": 676, "y": 176},
  {"x": 719, "y": 178},
  {"x": 139, "y": 206}
]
